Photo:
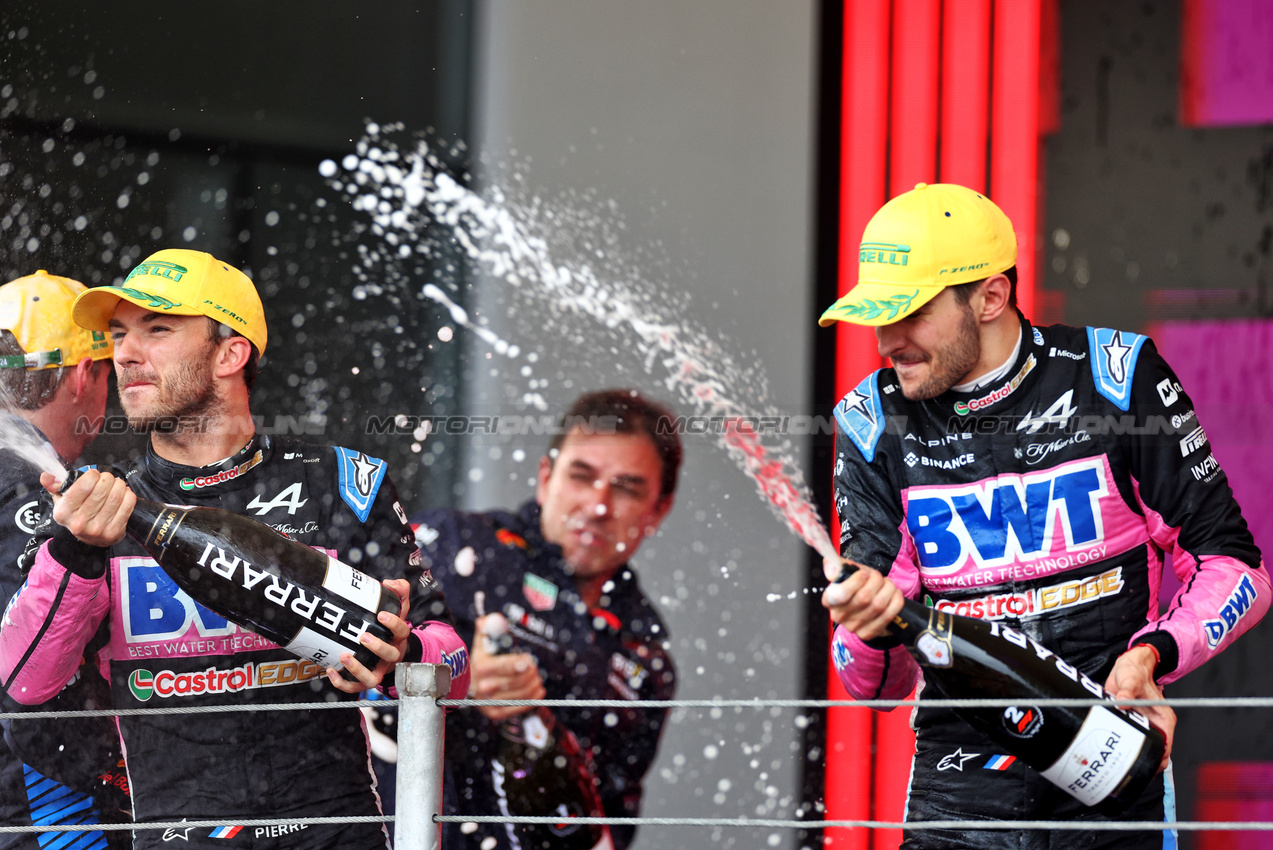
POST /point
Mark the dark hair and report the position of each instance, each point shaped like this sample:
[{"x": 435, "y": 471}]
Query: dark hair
[
  {"x": 625, "y": 411},
  {"x": 218, "y": 331},
  {"x": 29, "y": 389},
  {"x": 963, "y": 291}
]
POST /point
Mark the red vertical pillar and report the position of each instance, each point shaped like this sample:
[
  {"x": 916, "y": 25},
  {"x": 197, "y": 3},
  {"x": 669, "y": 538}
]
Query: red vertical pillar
[
  {"x": 912, "y": 146},
  {"x": 916, "y": 77},
  {"x": 1014, "y": 141},
  {"x": 965, "y": 94},
  {"x": 848, "y": 785},
  {"x": 933, "y": 90},
  {"x": 863, "y": 166}
]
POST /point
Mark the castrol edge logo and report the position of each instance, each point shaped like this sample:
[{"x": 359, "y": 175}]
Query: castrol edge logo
[
  {"x": 963, "y": 408},
  {"x": 268, "y": 674},
  {"x": 221, "y": 477},
  {"x": 1040, "y": 600}
]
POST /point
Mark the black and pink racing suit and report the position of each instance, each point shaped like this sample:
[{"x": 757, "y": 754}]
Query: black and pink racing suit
[{"x": 1049, "y": 500}]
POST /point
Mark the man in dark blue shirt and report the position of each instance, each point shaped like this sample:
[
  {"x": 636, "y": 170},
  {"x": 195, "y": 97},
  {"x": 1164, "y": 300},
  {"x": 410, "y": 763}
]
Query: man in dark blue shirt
[{"x": 558, "y": 570}]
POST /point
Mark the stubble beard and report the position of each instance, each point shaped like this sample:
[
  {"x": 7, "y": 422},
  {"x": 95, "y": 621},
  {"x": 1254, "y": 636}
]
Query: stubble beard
[
  {"x": 949, "y": 364},
  {"x": 187, "y": 401}
]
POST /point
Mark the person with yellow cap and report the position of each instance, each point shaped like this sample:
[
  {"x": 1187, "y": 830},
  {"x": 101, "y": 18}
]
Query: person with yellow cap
[
  {"x": 54, "y": 379},
  {"x": 1035, "y": 476},
  {"x": 188, "y": 331}
]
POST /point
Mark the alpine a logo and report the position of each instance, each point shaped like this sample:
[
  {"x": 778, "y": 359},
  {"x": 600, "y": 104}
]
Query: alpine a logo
[
  {"x": 1056, "y": 415},
  {"x": 963, "y": 408},
  {"x": 199, "y": 482}
]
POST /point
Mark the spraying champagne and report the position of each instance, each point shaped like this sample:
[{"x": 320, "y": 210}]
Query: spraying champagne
[{"x": 1101, "y": 755}]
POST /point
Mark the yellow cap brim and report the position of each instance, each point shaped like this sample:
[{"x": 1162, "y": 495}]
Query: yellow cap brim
[
  {"x": 94, "y": 308},
  {"x": 878, "y": 304}
]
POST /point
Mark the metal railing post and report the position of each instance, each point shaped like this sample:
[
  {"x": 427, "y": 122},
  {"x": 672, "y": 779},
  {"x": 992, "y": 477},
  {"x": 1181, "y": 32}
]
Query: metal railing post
[{"x": 420, "y": 743}]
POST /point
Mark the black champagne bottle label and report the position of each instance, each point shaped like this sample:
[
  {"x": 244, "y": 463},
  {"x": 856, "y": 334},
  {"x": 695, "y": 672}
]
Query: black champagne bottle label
[{"x": 322, "y": 629}]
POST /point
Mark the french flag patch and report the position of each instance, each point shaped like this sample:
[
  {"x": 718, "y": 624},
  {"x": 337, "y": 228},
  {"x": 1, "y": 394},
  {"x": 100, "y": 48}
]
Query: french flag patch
[
  {"x": 1000, "y": 762},
  {"x": 225, "y": 831}
]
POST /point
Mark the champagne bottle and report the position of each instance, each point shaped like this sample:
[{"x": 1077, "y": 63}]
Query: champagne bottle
[
  {"x": 1101, "y": 755},
  {"x": 304, "y": 600},
  {"x": 540, "y": 770}
]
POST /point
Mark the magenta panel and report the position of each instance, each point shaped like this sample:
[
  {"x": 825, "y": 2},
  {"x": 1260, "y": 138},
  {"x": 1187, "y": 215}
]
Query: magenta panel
[
  {"x": 1235, "y": 791},
  {"x": 1226, "y": 67},
  {"x": 1226, "y": 367}
]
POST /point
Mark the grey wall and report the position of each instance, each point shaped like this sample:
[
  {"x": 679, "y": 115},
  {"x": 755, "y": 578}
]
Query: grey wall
[{"x": 687, "y": 127}]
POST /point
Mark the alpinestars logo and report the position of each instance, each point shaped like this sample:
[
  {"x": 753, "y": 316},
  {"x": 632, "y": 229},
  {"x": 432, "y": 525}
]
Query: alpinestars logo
[
  {"x": 1116, "y": 352},
  {"x": 856, "y": 400},
  {"x": 956, "y": 760},
  {"x": 366, "y": 473}
]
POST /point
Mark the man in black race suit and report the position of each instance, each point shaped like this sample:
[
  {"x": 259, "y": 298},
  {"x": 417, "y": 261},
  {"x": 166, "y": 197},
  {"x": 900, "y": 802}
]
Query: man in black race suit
[
  {"x": 188, "y": 331},
  {"x": 559, "y": 570},
  {"x": 54, "y": 378},
  {"x": 1037, "y": 476}
]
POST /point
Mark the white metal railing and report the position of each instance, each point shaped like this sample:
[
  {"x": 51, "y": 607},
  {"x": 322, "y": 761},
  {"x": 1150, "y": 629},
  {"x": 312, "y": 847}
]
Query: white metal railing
[{"x": 421, "y": 710}]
